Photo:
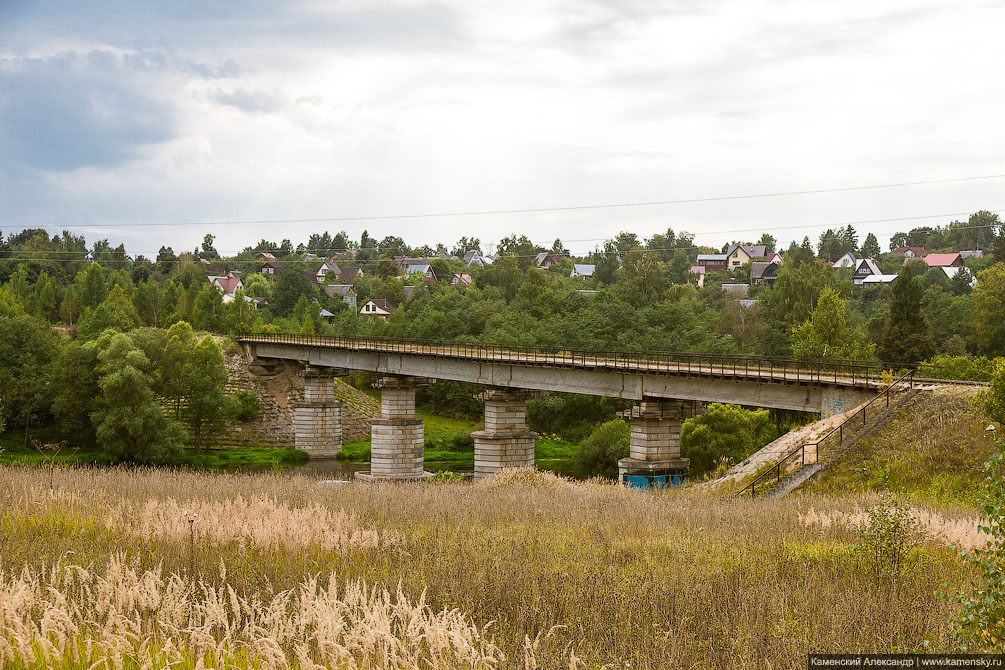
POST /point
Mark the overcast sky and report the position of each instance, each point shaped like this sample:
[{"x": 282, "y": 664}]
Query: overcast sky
[{"x": 123, "y": 112}]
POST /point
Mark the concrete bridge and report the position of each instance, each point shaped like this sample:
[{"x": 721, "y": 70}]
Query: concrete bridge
[{"x": 668, "y": 387}]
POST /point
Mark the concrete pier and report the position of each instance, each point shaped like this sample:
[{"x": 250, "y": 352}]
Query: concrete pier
[
  {"x": 654, "y": 446},
  {"x": 505, "y": 442},
  {"x": 396, "y": 438},
  {"x": 318, "y": 419}
]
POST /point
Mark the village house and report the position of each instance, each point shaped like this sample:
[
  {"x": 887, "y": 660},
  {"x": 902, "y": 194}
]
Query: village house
[
  {"x": 265, "y": 256},
  {"x": 880, "y": 280},
  {"x": 699, "y": 272},
  {"x": 773, "y": 257},
  {"x": 848, "y": 260},
  {"x": 328, "y": 267},
  {"x": 349, "y": 275},
  {"x": 865, "y": 267},
  {"x": 378, "y": 308},
  {"x": 271, "y": 269},
  {"x": 712, "y": 262},
  {"x": 229, "y": 286},
  {"x": 423, "y": 269},
  {"x": 909, "y": 252},
  {"x": 546, "y": 259},
  {"x": 582, "y": 270},
  {"x": 764, "y": 272},
  {"x": 474, "y": 258},
  {"x": 460, "y": 279},
  {"x": 953, "y": 260},
  {"x": 345, "y": 291},
  {"x": 739, "y": 255}
]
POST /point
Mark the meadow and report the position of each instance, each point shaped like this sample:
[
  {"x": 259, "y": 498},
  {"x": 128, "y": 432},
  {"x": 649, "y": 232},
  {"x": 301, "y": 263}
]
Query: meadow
[{"x": 118, "y": 567}]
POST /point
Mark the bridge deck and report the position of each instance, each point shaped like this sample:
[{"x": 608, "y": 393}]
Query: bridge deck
[{"x": 848, "y": 374}]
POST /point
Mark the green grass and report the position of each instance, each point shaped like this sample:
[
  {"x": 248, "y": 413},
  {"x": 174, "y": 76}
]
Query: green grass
[
  {"x": 934, "y": 453},
  {"x": 13, "y": 452}
]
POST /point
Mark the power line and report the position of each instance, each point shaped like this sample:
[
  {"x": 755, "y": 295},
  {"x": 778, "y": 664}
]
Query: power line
[{"x": 531, "y": 210}]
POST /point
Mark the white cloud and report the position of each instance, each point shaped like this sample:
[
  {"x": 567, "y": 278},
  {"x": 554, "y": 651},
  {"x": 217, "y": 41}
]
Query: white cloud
[{"x": 302, "y": 110}]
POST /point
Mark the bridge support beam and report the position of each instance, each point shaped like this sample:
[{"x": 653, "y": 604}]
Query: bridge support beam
[
  {"x": 396, "y": 438},
  {"x": 654, "y": 446},
  {"x": 317, "y": 421},
  {"x": 505, "y": 442}
]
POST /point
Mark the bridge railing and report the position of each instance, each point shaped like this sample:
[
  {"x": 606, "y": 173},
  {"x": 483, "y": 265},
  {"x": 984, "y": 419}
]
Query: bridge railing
[
  {"x": 808, "y": 453},
  {"x": 776, "y": 368}
]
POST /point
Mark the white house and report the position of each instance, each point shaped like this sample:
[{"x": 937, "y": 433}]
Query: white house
[
  {"x": 378, "y": 308},
  {"x": 582, "y": 270},
  {"x": 328, "y": 267},
  {"x": 229, "y": 286},
  {"x": 846, "y": 261}
]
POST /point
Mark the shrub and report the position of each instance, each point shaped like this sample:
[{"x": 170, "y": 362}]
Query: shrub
[
  {"x": 980, "y": 623},
  {"x": 463, "y": 441},
  {"x": 598, "y": 455},
  {"x": 887, "y": 537},
  {"x": 248, "y": 405}
]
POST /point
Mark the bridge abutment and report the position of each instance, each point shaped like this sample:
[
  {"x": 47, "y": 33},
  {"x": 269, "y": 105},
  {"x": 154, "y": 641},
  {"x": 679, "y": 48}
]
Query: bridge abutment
[
  {"x": 505, "y": 442},
  {"x": 396, "y": 438},
  {"x": 317, "y": 421},
  {"x": 654, "y": 445}
]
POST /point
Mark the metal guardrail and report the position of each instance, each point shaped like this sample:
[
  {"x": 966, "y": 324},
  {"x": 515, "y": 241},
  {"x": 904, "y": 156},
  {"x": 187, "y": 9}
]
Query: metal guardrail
[
  {"x": 828, "y": 443},
  {"x": 841, "y": 372}
]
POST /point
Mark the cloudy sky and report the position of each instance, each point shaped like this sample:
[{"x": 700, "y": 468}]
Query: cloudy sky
[{"x": 118, "y": 115}]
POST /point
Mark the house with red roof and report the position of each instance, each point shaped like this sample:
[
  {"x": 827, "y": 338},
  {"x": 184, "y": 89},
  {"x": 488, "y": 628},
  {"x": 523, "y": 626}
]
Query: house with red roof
[
  {"x": 953, "y": 260},
  {"x": 229, "y": 285}
]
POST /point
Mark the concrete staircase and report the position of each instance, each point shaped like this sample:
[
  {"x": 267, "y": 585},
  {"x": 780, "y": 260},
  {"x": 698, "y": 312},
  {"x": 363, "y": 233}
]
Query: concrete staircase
[{"x": 804, "y": 473}]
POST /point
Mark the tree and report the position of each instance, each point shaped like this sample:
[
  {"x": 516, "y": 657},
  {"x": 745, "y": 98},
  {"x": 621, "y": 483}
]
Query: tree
[
  {"x": 129, "y": 423},
  {"x": 291, "y": 284},
  {"x": 724, "y": 431},
  {"x": 871, "y": 248},
  {"x": 642, "y": 280},
  {"x": 27, "y": 348},
  {"x": 76, "y": 393},
  {"x": 208, "y": 250},
  {"x": 171, "y": 383},
  {"x": 386, "y": 267},
  {"x": 989, "y": 309},
  {"x": 769, "y": 243},
  {"x": 826, "y": 334},
  {"x": 598, "y": 455},
  {"x": 204, "y": 376},
  {"x": 907, "y": 335},
  {"x": 680, "y": 266},
  {"x": 991, "y": 400},
  {"x": 116, "y": 312},
  {"x": 91, "y": 286},
  {"x": 464, "y": 245},
  {"x": 797, "y": 289}
]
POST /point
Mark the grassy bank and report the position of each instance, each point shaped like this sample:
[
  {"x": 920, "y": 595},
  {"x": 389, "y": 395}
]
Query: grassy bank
[
  {"x": 13, "y": 452},
  {"x": 601, "y": 573},
  {"x": 934, "y": 452}
]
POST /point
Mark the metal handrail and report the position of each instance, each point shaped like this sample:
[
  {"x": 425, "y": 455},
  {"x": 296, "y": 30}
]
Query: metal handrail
[
  {"x": 844, "y": 371},
  {"x": 839, "y": 431}
]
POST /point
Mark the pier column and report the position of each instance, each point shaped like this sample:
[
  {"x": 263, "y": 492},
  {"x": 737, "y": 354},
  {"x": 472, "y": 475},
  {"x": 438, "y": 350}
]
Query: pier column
[
  {"x": 317, "y": 421},
  {"x": 505, "y": 442},
  {"x": 396, "y": 438},
  {"x": 654, "y": 447}
]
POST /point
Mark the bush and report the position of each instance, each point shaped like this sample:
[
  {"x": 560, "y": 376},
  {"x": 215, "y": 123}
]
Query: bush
[
  {"x": 463, "y": 441},
  {"x": 888, "y": 537},
  {"x": 980, "y": 623},
  {"x": 248, "y": 405},
  {"x": 724, "y": 431},
  {"x": 979, "y": 369},
  {"x": 598, "y": 455}
]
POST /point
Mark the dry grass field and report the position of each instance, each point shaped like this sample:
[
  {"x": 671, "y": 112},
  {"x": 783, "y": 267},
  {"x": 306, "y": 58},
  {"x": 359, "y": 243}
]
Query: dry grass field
[{"x": 103, "y": 569}]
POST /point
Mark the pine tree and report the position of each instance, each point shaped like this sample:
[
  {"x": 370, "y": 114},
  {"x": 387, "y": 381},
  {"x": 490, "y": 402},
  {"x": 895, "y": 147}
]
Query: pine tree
[
  {"x": 870, "y": 248},
  {"x": 907, "y": 335}
]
